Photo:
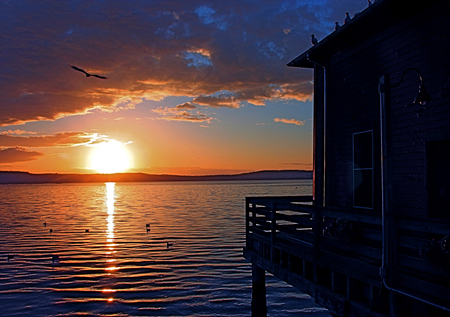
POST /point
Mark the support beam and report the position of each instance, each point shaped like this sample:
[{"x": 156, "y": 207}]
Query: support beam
[{"x": 259, "y": 305}]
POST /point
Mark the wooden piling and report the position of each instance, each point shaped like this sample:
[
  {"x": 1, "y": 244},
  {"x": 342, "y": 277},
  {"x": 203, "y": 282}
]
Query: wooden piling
[{"x": 259, "y": 305}]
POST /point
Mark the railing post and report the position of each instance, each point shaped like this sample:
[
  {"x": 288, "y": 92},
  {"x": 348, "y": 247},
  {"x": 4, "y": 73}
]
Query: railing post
[
  {"x": 316, "y": 232},
  {"x": 247, "y": 222},
  {"x": 273, "y": 229}
]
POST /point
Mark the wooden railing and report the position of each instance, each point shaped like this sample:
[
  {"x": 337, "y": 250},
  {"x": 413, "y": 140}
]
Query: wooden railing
[{"x": 349, "y": 242}]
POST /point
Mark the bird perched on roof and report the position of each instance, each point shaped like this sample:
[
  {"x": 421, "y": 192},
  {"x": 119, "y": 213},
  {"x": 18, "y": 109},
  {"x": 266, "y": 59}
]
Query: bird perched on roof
[
  {"x": 87, "y": 74},
  {"x": 347, "y": 18},
  {"x": 370, "y": 3},
  {"x": 337, "y": 26},
  {"x": 313, "y": 40}
]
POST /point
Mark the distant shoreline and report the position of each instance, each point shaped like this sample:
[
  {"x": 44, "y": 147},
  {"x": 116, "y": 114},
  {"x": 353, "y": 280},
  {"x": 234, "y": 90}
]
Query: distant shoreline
[{"x": 29, "y": 178}]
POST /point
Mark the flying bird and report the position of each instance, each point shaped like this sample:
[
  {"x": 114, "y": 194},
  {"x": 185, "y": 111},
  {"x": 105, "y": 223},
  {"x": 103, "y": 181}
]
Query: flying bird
[
  {"x": 313, "y": 40},
  {"x": 87, "y": 74}
]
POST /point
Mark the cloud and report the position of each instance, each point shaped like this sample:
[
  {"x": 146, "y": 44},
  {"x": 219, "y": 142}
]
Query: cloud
[
  {"x": 185, "y": 116},
  {"x": 179, "y": 114},
  {"x": 217, "y": 101},
  {"x": 289, "y": 121},
  {"x": 150, "y": 50},
  {"x": 186, "y": 105},
  {"x": 57, "y": 140},
  {"x": 18, "y": 154}
]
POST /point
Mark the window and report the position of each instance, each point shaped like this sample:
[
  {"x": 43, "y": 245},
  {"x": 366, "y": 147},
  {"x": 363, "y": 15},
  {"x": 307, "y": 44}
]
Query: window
[
  {"x": 438, "y": 163},
  {"x": 363, "y": 169}
]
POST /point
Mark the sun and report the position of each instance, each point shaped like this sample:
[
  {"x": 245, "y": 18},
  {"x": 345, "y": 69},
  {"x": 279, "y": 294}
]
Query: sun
[{"x": 110, "y": 157}]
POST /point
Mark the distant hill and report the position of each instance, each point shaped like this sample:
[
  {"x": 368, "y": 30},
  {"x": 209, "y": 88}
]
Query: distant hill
[{"x": 28, "y": 178}]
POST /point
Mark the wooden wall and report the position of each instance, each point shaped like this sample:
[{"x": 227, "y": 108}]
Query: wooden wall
[{"x": 416, "y": 38}]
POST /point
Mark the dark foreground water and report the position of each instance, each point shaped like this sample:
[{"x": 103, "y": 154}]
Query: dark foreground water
[{"x": 86, "y": 250}]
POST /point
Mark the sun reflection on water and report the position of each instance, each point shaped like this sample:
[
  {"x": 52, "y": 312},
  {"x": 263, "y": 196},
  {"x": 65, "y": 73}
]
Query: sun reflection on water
[{"x": 110, "y": 243}]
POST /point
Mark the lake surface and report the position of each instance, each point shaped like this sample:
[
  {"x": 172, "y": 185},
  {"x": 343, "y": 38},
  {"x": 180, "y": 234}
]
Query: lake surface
[{"x": 85, "y": 250}]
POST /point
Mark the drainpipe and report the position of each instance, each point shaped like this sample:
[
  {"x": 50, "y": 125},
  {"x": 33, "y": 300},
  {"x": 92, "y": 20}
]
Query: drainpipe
[
  {"x": 384, "y": 198},
  {"x": 324, "y": 127}
]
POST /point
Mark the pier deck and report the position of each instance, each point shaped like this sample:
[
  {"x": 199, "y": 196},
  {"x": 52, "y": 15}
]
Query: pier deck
[{"x": 336, "y": 257}]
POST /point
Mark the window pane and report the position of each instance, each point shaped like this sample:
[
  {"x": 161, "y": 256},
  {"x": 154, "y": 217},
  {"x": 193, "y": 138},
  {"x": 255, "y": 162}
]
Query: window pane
[
  {"x": 362, "y": 153},
  {"x": 363, "y": 170},
  {"x": 362, "y": 188}
]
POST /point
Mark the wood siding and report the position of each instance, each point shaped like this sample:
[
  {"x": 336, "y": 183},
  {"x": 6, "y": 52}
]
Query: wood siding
[{"x": 353, "y": 105}]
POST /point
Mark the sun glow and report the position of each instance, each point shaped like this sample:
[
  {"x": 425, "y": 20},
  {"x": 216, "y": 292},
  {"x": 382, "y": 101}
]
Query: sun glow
[{"x": 110, "y": 157}]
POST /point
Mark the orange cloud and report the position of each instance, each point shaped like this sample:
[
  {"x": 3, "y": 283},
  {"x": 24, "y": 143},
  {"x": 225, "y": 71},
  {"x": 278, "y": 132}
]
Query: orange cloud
[
  {"x": 178, "y": 114},
  {"x": 57, "y": 140},
  {"x": 17, "y": 154},
  {"x": 289, "y": 121}
]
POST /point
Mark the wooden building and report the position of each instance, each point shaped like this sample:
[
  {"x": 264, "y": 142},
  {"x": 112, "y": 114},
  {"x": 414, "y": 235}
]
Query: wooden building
[{"x": 374, "y": 239}]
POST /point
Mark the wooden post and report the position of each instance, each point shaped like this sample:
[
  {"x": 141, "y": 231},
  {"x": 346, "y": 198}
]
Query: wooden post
[
  {"x": 273, "y": 229},
  {"x": 259, "y": 305}
]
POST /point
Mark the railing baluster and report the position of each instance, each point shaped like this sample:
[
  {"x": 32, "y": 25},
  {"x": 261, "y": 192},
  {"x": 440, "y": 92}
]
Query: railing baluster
[{"x": 273, "y": 229}]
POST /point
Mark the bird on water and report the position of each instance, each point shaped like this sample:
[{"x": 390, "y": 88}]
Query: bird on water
[{"x": 88, "y": 74}]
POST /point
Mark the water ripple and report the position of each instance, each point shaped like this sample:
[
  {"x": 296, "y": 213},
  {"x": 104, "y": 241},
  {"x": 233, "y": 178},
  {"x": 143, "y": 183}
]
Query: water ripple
[{"x": 86, "y": 250}]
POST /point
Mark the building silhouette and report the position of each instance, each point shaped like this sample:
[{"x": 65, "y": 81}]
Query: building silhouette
[{"x": 374, "y": 239}]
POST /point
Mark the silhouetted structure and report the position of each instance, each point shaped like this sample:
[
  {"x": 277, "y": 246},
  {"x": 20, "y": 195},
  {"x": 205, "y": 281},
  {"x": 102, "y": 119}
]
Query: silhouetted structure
[{"x": 373, "y": 239}]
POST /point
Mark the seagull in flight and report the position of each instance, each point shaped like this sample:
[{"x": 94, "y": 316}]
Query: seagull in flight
[{"x": 87, "y": 74}]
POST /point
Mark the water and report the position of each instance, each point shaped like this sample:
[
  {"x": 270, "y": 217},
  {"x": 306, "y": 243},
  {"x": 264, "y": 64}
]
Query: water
[{"x": 118, "y": 267}]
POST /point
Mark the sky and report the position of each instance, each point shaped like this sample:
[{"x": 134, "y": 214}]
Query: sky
[{"x": 193, "y": 87}]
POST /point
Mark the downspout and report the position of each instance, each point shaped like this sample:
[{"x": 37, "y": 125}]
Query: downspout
[
  {"x": 384, "y": 198},
  {"x": 324, "y": 127}
]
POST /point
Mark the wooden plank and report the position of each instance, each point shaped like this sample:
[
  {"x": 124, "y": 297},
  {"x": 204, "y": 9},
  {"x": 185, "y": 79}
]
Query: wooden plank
[
  {"x": 303, "y": 220},
  {"x": 301, "y": 223},
  {"x": 338, "y": 246},
  {"x": 300, "y": 250},
  {"x": 423, "y": 268},
  {"x": 260, "y": 237},
  {"x": 261, "y": 222},
  {"x": 280, "y": 199},
  {"x": 358, "y": 269},
  {"x": 258, "y": 231},
  {"x": 423, "y": 289},
  {"x": 425, "y": 225},
  {"x": 295, "y": 207},
  {"x": 305, "y": 235},
  {"x": 361, "y": 217}
]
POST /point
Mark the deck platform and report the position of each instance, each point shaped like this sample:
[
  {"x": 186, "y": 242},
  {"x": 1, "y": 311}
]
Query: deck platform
[{"x": 336, "y": 257}]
